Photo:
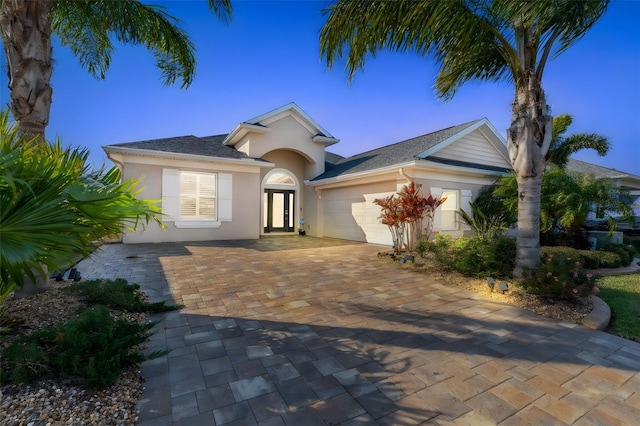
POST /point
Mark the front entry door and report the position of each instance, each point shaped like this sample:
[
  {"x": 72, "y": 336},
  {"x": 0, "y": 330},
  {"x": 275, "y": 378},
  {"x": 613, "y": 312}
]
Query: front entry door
[{"x": 278, "y": 208}]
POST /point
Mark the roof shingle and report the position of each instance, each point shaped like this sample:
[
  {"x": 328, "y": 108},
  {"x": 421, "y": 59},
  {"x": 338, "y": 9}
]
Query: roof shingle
[{"x": 209, "y": 146}]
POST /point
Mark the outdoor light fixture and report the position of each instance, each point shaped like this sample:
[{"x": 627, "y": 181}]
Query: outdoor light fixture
[
  {"x": 504, "y": 287},
  {"x": 491, "y": 283}
]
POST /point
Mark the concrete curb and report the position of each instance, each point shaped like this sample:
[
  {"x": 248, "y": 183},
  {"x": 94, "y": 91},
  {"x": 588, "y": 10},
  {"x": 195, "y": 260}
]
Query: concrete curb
[{"x": 599, "y": 317}]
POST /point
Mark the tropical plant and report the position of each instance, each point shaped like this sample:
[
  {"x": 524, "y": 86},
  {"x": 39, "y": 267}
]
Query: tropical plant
[
  {"x": 499, "y": 40},
  {"x": 562, "y": 147},
  {"x": 485, "y": 225},
  {"x": 431, "y": 204},
  {"x": 566, "y": 200},
  {"x": 88, "y": 28},
  {"x": 53, "y": 208},
  {"x": 404, "y": 214},
  {"x": 391, "y": 216}
]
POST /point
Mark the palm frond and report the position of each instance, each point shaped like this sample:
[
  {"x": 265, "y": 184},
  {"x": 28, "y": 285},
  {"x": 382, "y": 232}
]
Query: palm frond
[
  {"x": 53, "y": 208},
  {"x": 87, "y": 28}
]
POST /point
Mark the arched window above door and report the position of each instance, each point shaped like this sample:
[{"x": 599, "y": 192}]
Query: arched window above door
[{"x": 280, "y": 178}]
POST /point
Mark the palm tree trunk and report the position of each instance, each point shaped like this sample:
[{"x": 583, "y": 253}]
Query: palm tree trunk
[
  {"x": 528, "y": 141},
  {"x": 26, "y": 36},
  {"x": 528, "y": 237}
]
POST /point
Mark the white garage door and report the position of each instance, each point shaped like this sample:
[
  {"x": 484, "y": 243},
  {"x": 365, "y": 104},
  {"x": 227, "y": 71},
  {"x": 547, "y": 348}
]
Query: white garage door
[{"x": 350, "y": 214}]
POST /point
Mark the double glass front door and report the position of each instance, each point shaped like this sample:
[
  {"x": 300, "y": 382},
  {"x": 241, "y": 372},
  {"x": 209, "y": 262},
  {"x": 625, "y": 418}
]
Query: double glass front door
[{"x": 279, "y": 210}]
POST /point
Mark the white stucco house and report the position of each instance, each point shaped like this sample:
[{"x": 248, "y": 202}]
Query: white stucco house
[{"x": 274, "y": 173}]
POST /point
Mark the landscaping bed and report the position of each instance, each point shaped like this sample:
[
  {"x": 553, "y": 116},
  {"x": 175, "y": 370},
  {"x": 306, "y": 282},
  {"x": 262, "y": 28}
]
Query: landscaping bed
[{"x": 62, "y": 401}]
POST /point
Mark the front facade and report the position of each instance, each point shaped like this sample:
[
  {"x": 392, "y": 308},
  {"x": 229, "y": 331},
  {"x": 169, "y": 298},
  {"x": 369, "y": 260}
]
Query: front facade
[{"x": 274, "y": 174}]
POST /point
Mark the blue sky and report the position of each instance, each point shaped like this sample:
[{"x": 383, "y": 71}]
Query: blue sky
[{"x": 269, "y": 56}]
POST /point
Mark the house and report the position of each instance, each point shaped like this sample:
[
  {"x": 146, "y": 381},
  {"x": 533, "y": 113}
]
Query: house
[
  {"x": 274, "y": 173},
  {"x": 627, "y": 181}
]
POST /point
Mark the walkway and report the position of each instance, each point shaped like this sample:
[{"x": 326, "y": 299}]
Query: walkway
[{"x": 306, "y": 331}]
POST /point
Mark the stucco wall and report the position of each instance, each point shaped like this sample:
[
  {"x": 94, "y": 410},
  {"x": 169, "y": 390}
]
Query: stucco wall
[
  {"x": 287, "y": 134},
  {"x": 246, "y": 209}
]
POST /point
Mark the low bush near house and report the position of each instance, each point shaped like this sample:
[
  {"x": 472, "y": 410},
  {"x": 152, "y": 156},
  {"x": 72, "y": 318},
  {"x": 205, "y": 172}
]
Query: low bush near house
[
  {"x": 473, "y": 256},
  {"x": 561, "y": 275}
]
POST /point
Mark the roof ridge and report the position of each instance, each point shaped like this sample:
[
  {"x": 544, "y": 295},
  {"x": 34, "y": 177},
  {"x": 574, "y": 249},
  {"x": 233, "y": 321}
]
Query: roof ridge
[{"x": 463, "y": 126}]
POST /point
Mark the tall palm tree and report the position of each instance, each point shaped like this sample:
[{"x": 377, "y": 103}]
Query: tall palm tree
[
  {"x": 88, "y": 28},
  {"x": 495, "y": 40}
]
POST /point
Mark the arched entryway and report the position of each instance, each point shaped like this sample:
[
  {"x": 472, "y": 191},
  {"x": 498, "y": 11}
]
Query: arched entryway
[{"x": 280, "y": 201}]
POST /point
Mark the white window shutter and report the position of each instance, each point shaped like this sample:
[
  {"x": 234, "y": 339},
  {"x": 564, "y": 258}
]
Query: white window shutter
[
  {"x": 437, "y": 218},
  {"x": 465, "y": 199},
  {"x": 225, "y": 199},
  {"x": 171, "y": 194}
]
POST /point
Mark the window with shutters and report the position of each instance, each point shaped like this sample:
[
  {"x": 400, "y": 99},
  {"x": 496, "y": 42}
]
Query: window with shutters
[
  {"x": 198, "y": 196},
  {"x": 449, "y": 220},
  {"x": 196, "y": 199}
]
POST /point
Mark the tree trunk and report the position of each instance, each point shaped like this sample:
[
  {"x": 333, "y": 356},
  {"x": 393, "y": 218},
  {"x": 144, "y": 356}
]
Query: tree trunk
[
  {"x": 26, "y": 35},
  {"x": 528, "y": 141}
]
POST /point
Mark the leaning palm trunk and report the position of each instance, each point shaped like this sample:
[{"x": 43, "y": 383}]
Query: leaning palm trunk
[
  {"x": 26, "y": 35},
  {"x": 528, "y": 141}
]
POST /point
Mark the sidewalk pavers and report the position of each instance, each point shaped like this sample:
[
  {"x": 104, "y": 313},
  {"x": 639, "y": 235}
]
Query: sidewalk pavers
[{"x": 302, "y": 331}]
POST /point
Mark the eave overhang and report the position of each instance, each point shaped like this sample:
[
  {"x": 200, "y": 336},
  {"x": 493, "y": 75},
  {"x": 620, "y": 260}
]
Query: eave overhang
[
  {"x": 135, "y": 152},
  {"x": 241, "y": 130}
]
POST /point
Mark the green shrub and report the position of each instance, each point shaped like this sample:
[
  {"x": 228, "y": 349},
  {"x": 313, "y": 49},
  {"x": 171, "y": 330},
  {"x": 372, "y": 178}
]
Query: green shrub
[
  {"x": 634, "y": 243},
  {"x": 94, "y": 348},
  {"x": 117, "y": 294},
  {"x": 609, "y": 259},
  {"x": 422, "y": 247},
  {"x": 475, "y": 257},
  {"x": 625, "y": 251},
  {"x": 560, "y": 275},
  {"x": 592, "y": 259},
  {"x": 566, "y": 252}
]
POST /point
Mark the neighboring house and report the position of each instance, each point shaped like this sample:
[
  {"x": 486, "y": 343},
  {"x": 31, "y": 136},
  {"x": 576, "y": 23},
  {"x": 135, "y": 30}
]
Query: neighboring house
[
  {"x": 273, "y": 174},
  {"x": 627, "y": 181}
]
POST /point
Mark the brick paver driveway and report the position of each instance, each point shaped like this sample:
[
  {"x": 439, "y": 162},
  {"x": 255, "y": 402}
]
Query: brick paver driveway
[{"x": 306, "y": 331}]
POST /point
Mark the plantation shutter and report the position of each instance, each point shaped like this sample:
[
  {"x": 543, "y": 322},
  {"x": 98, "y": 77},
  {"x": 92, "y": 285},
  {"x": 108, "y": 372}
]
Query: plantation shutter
[
  {"x": 170, "y": 194},
  {"x": 197, "y": 196},
  {"x": 465, "y": 199},
  {"x": 225, "y": 199},
  {"x": 188, "y": 196},
  {"x": 448, "y": 215}
]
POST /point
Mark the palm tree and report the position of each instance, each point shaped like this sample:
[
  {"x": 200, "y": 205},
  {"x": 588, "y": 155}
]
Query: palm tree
[
  {"x": 88, "y": 28},
  {"x": 500, "y": 40},
  {"x": 562, "y": 147}
]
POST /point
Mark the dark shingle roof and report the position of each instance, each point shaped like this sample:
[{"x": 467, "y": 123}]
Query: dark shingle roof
[
  {"x": 596, "y": 171},
  {"x": 209, "y": 146},
  {"x": 389, "y": 155}
]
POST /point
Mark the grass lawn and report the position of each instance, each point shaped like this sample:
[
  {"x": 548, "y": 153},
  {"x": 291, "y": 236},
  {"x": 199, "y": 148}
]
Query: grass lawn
[{"x": 622, "y": 294}]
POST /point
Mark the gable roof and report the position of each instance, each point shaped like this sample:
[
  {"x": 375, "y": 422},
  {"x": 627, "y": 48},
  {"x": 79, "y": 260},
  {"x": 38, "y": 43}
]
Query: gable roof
[
  {"x": 410, "y": 150},
  {"x": 597, "y": 171},
  {"x": 260, "y": 124},
  {"x": 209, "y": 146}
]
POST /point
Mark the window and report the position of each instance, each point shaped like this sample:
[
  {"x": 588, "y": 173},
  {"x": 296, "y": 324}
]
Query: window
[
  {"x": 196, "y": 199},
  {"x": 197, "y": 196},
  {"x": 448, "y": 209}
]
